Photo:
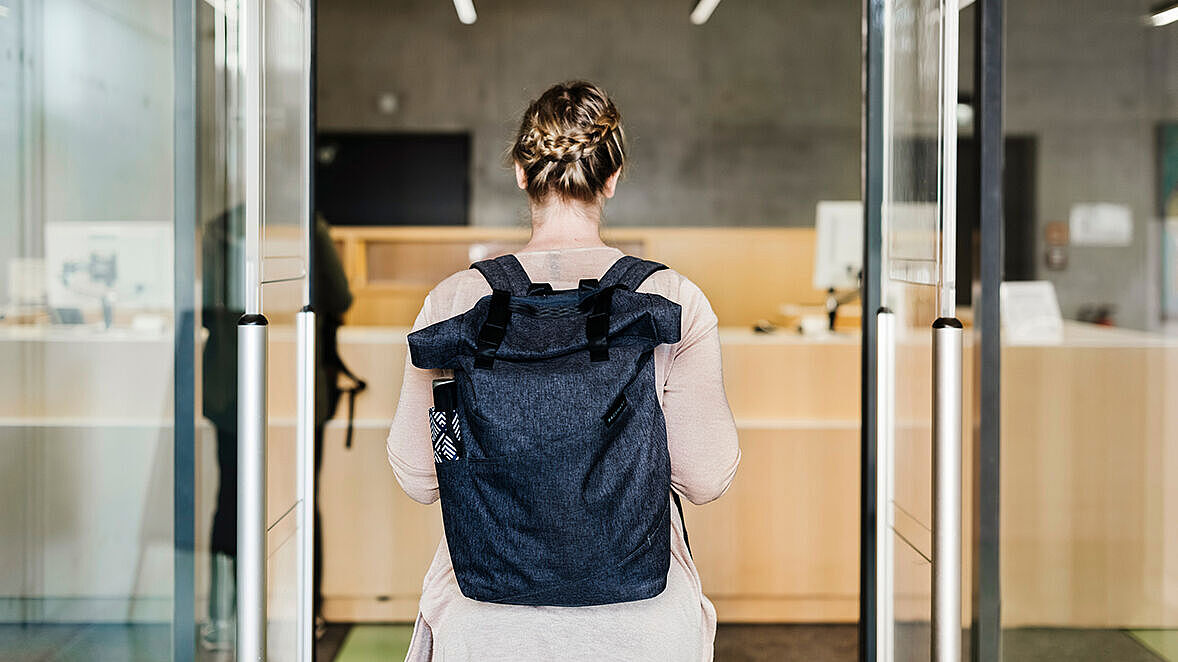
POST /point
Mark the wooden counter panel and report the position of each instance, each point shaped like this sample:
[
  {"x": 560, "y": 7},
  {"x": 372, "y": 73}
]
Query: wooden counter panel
[
  {"x": 1090, "y": 457},
  {"x": 377, "y": 541},
  {"x": 789, "y": 525},
  {"x": 781, "y": 545},
  {"x": 84, "y": 374},
  {"x": 748, "y": 273},
  {"x": 1090, "y": 486},
  {"x": 792, "y": 380},
  {"x": 375, "y": 355},
  {"x": 765, "y": 378}
]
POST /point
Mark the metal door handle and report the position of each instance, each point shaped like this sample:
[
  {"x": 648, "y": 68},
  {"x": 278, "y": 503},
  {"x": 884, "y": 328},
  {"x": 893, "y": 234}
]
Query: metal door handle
[
  {"x": 885, "y": 403},
  {"x": 305, "y": 431},
  {"x": 251, "y": 487},
  {"x": 946, "y": 639}
]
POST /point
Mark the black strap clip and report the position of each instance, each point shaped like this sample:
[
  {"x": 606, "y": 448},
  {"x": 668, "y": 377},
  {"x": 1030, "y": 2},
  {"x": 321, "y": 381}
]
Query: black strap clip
[
  {"x": 597, "y": 325},
  {"x": 493, "y": 330}
]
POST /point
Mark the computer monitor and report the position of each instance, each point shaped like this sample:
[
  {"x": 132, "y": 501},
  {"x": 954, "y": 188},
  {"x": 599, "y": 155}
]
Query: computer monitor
[{"x": 838, "y": 249}]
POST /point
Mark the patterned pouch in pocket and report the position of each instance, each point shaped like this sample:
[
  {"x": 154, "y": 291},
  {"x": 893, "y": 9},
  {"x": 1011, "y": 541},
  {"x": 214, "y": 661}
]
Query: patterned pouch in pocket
[{"x": 446, "y": 434}]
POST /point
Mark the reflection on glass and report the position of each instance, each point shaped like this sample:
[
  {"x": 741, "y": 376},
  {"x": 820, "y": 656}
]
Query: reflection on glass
[
  {"x": 1089, "y": 432},
  {"x": 913, "y": 274},
  {"x": 86, "y": 329}
]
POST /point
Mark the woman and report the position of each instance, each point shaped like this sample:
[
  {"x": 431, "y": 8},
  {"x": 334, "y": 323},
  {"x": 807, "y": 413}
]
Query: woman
[{"x": 568, "y": 156}]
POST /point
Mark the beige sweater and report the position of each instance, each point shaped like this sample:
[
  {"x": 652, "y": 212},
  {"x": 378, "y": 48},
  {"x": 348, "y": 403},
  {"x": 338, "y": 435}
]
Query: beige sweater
[{"x": 677, "y": 625}]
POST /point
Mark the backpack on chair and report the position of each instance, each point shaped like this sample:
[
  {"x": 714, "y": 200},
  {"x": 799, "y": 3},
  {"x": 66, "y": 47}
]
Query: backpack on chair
[{"x": 559, "y": 494}]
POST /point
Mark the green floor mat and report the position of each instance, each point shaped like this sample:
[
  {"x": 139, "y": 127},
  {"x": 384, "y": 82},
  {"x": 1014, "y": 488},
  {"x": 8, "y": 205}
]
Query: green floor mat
[
  {"x": 1162, "y": 642},
  {"x": 366, "y": 643}
]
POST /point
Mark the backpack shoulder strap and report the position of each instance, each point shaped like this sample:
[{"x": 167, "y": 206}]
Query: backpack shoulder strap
[
  {"x": 507, "y": 278},
  {"x": 629, "y": 272},
  {"x": 505, "y": 273}
]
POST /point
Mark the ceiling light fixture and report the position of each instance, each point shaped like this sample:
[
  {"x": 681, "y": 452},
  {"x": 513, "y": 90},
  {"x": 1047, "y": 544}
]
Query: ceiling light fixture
[
  {"x": 1163, "y": 14},
  {"x": 466, "y": 13},
  {"x": 703, "y": 11}
]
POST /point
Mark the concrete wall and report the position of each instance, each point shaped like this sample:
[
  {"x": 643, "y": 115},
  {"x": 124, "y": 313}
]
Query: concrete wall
[
  {"x": 755, "y": 116},
  {"x": 747, "y": 120},
  {"x": 11, "y": 154},
  {"x": 1091, "y": 82}
]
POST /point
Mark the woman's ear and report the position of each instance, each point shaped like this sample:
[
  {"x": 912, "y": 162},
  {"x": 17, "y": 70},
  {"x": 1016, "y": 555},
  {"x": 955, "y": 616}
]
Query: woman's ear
[
  {"x": 521, "y": 179},
  {"x": 611, "y": 184}
]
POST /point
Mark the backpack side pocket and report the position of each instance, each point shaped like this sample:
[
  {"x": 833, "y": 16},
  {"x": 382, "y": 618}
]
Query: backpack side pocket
[{"x": 446, "y": 434}]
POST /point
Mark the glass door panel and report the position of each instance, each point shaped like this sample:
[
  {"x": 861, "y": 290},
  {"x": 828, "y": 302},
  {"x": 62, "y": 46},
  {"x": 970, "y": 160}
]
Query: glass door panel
[
  {"x": 917, "y": 292},
  {"x": 220, "y": 234},
  {"x": 1089, "y": 428},
  {"x": 253, "y": 587},
  {"x": 88, "y": 544},
  {"x": 283, "y": 231}
]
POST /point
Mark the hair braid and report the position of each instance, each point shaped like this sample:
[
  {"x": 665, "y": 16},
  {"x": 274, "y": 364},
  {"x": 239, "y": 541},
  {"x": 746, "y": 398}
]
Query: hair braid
[{"x": 559, "y": 139}]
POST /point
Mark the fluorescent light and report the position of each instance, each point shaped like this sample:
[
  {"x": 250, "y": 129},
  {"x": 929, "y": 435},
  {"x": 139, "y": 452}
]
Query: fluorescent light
[
  {"x": 1164, "y": 14},
  {"x": 465, "y": 9},
  {"x": 703, "y": 11}
]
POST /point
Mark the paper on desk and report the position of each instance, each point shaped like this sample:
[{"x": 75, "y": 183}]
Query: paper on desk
[{"x": 1030, "y": 313}]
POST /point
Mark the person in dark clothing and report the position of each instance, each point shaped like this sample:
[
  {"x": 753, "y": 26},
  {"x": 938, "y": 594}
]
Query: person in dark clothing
[
  {"x": 223, "y": 303},
  {"x": 223, "y": 292},
  {"x": 330, "y": 298}
]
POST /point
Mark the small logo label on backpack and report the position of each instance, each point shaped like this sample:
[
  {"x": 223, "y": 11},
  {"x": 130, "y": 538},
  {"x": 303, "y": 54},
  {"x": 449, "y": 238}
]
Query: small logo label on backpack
[{"x": 615, "y": 410}]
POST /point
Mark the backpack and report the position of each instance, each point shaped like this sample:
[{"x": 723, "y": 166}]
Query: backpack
[{"x": 560, "y": 494}]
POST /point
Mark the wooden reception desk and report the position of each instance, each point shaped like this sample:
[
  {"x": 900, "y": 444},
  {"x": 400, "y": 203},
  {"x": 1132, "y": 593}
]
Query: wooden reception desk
[
  {"x": 1089, "y": 485},
  {"x": 781, "y": 545},
  {"x": 1090, "y": 450},
  {"x": 1089, "y": 455}
]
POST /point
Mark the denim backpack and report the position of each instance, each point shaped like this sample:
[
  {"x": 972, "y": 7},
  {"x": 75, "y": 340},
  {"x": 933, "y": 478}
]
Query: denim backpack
[{"x": 560, "y": 493}]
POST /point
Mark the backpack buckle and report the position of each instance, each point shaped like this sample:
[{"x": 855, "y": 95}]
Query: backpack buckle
[
  {"x": 494, "y": 329},
  {"x": 597, "y": 326}
]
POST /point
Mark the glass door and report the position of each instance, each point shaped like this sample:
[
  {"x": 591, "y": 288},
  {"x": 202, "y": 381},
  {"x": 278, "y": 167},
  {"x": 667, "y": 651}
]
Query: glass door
[
  {"x": 918, "y": 369},
  {"x": 255, "y": 460},
  {"x": 87, "y": 320},
  {"x": 275, "y": 337}
]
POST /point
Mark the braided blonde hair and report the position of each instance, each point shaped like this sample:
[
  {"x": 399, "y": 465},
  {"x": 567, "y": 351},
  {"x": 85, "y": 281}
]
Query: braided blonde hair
[{"x": 570, "y": 142}]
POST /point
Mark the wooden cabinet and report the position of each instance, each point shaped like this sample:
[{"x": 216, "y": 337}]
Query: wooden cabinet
[{"x": 749, "y": 273}]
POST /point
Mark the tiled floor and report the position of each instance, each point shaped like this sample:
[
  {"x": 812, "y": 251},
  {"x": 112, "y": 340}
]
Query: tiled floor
[
  {"x": 1162, "y": 642},
  {"x": 1052, "y": 644},
  {"x": 375, "y": 642},
  {"x": 734, "y": 643},
  {"x": 838, "y": 643},
  {"x": 85, "y": 643}
]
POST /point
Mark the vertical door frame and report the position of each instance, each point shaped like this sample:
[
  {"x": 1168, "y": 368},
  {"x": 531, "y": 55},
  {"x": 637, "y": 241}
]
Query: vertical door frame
[
  {"x": 252, "y": 341},
  {"x": 307, "y": 368},
  {"x": 186, "y": 174},
  {"x": 872, "y": 195},
  {"x": 986, "y": 630}
]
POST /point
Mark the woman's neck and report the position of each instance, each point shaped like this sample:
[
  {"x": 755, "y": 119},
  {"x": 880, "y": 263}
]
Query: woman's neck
[{"x": 565, "y": 224}]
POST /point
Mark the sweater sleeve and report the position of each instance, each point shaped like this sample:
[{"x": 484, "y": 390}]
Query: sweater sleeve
[
  {"x": 701, "y": 433},
  {"x": 409, "y": 448}
]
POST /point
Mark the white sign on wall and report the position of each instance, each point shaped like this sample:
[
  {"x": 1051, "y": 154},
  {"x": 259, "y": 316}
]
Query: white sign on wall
[{"x": 1100, "y": 224}]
